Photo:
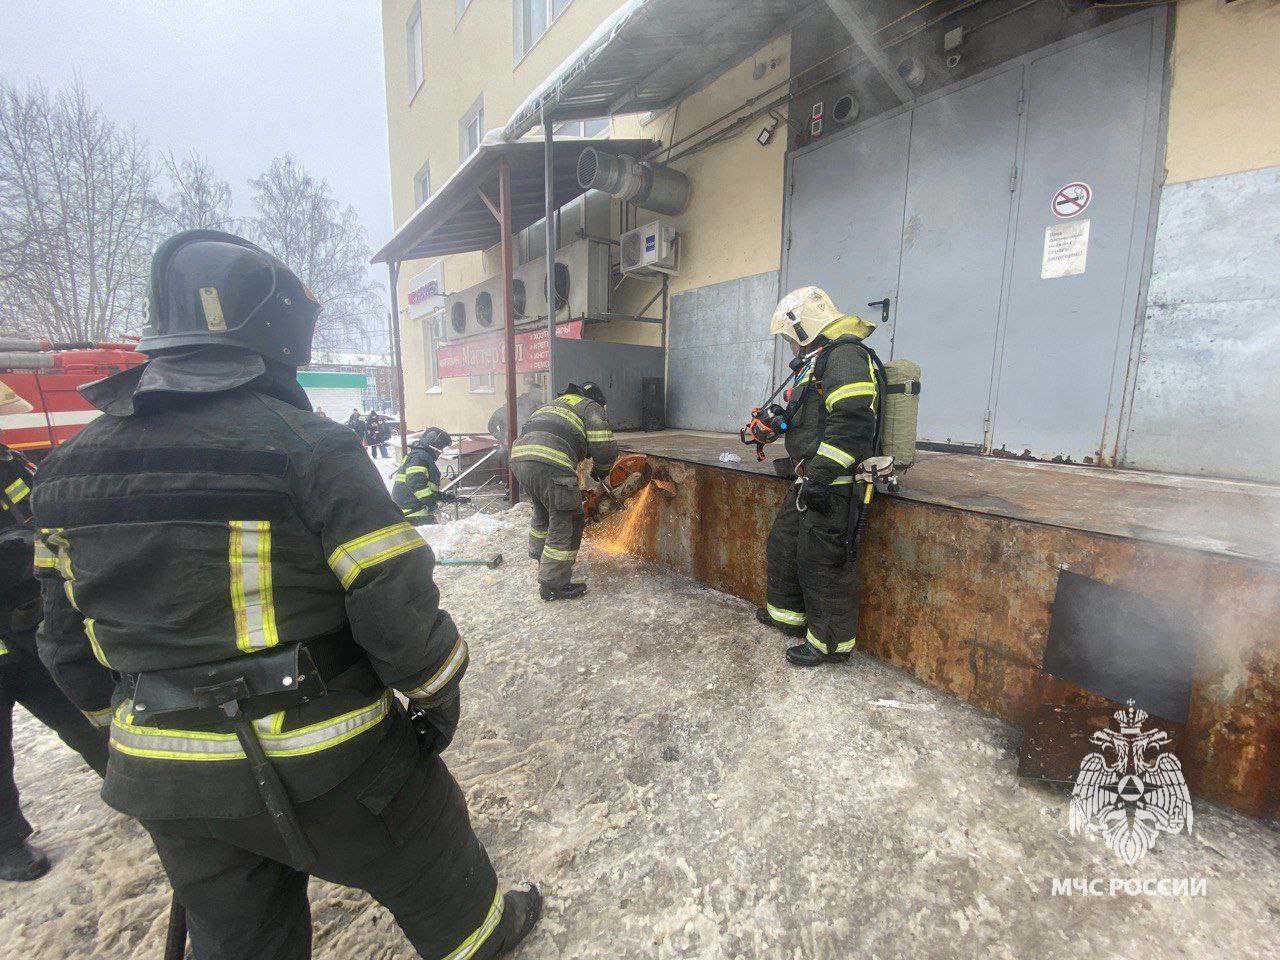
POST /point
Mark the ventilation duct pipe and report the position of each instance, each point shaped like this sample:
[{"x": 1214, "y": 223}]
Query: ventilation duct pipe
[{"x": 655, "y": 188}]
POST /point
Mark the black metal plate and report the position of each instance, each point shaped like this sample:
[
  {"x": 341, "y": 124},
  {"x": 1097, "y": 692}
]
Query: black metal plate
[{"x": 1121, "y": 645}]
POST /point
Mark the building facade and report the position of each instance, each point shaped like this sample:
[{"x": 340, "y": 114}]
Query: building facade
[{"x": 1071, "y": 219}]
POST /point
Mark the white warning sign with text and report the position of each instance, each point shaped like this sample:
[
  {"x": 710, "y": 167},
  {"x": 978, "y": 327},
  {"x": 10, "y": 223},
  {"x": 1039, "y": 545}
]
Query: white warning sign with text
[{"x": 1066, "y": 248}]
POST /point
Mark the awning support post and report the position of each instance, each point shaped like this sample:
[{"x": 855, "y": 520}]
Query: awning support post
[
  {"x": 393, "y": 270},
  {"x": 509, "y": 318},
  {"x": 549, "y": 207}
]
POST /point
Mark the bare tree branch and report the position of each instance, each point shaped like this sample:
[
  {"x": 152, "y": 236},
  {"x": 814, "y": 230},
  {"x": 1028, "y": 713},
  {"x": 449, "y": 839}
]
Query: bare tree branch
[
  {"x": 298, "y": 219},
  {"x": 78, "y": 216},
  {"x": 198, "y": 199}
]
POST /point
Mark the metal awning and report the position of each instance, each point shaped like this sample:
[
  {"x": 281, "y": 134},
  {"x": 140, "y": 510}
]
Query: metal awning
[
  {"x": 651, "y": 53},
  {"x": 457, "y": 219}
]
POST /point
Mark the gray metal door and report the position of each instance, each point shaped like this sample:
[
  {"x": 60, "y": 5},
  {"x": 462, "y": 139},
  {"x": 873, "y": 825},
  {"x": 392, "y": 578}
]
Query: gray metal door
[
  {"x": 1071, "y": 308},
  {"x": 954, "y": 244},
  {"x": 845, "y": 217}
]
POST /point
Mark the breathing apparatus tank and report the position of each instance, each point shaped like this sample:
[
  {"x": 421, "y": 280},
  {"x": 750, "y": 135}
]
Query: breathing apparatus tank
[{"x": 900, "y": 412}]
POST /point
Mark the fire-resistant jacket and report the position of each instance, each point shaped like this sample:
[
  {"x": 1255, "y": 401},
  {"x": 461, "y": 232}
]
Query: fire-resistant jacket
[
  {"x": 416, "y": 483},
  {"x": 833, "y": 409},
  {"x": 210, "y": 515},
  {"x": 567, "y": 431},
  {"x": 19, "y": 591}
]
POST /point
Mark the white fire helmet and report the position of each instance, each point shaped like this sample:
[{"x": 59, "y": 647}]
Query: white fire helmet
[{"x": 805, "y": 313}]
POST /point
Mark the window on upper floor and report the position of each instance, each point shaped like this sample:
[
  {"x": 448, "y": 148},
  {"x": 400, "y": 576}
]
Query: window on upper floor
[
  {"x": 471, "y": 129},
  {"x": 422, "y": 185},
  {"x": 532, "y": 17},
  {"x": 413, "y": 48},
  {"x": 583, "y": 128}
]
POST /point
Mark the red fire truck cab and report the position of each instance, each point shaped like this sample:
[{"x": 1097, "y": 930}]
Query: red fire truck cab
[{"x": 46, "y": 375}]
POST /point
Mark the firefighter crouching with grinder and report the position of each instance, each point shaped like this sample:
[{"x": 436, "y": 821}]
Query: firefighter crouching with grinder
[
  {"x": 811, "y": 591},
  {"x": 415, "y": 485},
  {"x": 554, "y": 440},
  {"x": 224, "y": 571}
]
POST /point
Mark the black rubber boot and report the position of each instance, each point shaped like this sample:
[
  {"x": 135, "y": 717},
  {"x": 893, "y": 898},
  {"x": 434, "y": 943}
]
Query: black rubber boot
[
  {"x": 807, "y": 655},
  {"x": 762, "y": 614},
  {"x": 567, "y": 592},
  {"x": 522, "y": 907},
  {"x": 23, "y": 862}
]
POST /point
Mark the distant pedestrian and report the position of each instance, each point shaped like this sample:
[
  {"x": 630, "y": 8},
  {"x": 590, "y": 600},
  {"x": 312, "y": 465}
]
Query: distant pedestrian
[
  {"x": 358, "y": 425},
  {"x": 378, "y": 435},
  {"x": 320, "y": 413}
]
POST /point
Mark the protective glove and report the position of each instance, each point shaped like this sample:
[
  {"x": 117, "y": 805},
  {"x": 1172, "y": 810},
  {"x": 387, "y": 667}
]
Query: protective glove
[
  {"x": 816, "y": 497},
  {"x": 436, "y": 725},
  {"x": 600, "y": 473}
]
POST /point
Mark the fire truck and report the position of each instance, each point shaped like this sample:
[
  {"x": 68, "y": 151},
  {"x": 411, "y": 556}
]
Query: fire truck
[{"x": 46, "y": 375}]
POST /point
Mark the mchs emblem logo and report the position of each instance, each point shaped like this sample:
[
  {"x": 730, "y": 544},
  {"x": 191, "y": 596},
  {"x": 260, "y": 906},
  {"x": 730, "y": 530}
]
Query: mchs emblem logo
[{"x": 1130, "y": 791}]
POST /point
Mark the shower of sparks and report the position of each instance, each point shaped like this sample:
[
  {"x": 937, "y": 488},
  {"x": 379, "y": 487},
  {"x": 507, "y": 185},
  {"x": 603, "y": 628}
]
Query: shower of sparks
[{"x": 624, "y": 529}]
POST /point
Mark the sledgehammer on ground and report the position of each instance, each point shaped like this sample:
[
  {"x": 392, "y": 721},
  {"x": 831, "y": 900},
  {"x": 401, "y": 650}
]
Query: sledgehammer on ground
[{"x": 492, "y": 562}]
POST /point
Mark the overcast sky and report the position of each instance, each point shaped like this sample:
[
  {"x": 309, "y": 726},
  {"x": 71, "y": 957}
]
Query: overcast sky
[{"x": 241, "y": 81}]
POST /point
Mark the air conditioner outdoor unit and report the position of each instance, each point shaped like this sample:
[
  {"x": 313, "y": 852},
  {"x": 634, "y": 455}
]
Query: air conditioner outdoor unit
[{"x": 650, "y": 249}]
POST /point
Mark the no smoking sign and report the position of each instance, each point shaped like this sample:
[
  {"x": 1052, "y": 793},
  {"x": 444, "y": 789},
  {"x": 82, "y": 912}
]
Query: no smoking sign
[{"x": 1071, "y": 200}]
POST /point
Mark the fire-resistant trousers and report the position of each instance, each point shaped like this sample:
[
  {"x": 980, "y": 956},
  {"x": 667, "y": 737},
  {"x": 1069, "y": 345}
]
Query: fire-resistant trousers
[
  {"x": 555, "y": 532},
  {"x": 812, "y": 579},
  {"x": 413, "y": 850},
  {"x": 24, "y": 680}
]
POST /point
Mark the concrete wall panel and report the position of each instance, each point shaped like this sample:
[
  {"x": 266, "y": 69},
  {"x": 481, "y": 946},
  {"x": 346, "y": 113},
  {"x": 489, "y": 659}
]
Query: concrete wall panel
[{"x": 1206, "y": 400}]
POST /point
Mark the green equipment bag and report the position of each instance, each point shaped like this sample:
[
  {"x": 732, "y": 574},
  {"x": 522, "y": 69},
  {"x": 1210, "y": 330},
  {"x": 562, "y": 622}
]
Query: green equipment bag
[{"x": 900, "y": 413}]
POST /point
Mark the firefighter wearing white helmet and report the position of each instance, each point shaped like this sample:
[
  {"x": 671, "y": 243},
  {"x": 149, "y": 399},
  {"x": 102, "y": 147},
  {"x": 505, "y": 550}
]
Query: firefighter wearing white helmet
[{"x": 831, "y": 414}]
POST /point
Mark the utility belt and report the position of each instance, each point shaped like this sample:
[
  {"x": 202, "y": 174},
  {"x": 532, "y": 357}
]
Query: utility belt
[{"x": 233, "y": 693}]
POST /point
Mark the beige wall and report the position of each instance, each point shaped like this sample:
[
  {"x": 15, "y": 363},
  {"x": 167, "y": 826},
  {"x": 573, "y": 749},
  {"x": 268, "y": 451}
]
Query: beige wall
[
  {"x": 731, "y": 229},
  {"x": 1224, "y": 101},
  {"x": 461, "y": 60}
]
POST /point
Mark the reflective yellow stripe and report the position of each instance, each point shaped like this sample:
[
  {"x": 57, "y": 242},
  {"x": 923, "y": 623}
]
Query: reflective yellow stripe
[
  {"x": 841, "y": 481},
  {"x": 555, "y": 553},
  {"x": 17, "y": 491},
  {"x": 418, "y": 470},
  {"x": 599, "y": 436},
  {"x": 45, "y": 558},
  {"x": 796, "y": 618},
  {"x": 428, "y": 491},
  {"x": 836, "y": 454},
  {"x": 844, "y": 647},
  {"x": 537, "y": 534},
  {"x": 99, "y": 718},
  {"x": 252, "y": 601},
  {"x": 448, "y": 670},
  {"x": 3, "y": 649},
  {"x": 351, "y": 558},
  {"x": 160, "y": 744},
  {"x": 572, "y": 399},
  {"x": 537, "y": 451},
  {"x": 469, "y": 946},
  {"x": 93, "y": 641},
  {"x": 850, "y": 390},
  {"x": 866, "y": 496},
  {"x": 568, "y": 415}
]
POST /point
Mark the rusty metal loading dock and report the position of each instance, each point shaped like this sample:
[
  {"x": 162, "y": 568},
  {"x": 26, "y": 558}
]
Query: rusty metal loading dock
[{"x": 959, "y": 572}]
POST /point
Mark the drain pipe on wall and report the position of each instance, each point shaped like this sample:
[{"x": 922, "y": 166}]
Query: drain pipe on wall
[{"x": 549, "y": 206}]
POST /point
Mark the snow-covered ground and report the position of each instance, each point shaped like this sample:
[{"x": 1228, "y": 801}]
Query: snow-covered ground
[{"x": 679, "y": 792}]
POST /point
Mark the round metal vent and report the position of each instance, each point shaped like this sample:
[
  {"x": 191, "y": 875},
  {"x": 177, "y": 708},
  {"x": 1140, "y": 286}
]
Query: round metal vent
[
  {"x": 484, "y": 309},
  {"x": 632, "y": 252},
  {"x": 458, "y": 316}
]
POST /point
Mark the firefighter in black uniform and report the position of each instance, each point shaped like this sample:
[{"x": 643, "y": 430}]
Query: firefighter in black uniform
[
  {"x": 23, "y": 678},
  {"x": 223, "y": 570},
  {"x": 415, "y": 485},
  {"x": 812, "y": 589}
]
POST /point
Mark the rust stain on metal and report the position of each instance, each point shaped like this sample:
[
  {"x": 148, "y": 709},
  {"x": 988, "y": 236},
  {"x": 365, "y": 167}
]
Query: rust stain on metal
[{"x": 962, "y": 600}]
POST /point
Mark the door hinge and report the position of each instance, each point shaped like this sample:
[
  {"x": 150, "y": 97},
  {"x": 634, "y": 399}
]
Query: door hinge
[
  {"x": 791, "y": 190},
  {"x": 1022, "y": 101},
  {"x": 1013, "y": 178},
  {"x": 788, "y": 240}
]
